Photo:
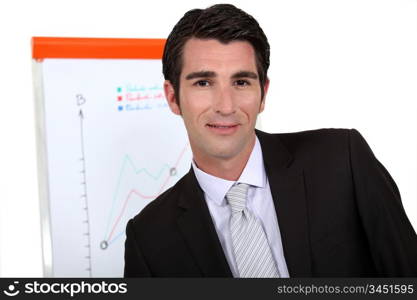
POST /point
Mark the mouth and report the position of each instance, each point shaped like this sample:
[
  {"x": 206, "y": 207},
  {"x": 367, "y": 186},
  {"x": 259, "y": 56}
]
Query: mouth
[
  {"x": 221, "y": 126},
  {"x": 222, "y": 129}
]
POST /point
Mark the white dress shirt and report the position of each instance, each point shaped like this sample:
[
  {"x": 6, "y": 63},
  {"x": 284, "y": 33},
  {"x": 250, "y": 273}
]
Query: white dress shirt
[{"x": 259, "y": 202}]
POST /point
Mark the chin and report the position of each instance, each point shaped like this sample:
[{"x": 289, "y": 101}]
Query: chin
[{"x": 224, "y": 153}]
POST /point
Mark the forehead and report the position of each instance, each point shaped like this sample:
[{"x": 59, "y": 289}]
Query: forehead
[{"x": 212, "y": 55}]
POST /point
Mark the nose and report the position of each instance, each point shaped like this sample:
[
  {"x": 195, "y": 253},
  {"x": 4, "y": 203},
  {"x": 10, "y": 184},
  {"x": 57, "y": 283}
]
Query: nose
[{"x": 224, "y": 103}]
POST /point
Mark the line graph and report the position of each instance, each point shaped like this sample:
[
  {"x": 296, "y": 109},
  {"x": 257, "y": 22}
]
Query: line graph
[
  {"x": 110, "y": 235},
  {"x": 104, "y": 166}
]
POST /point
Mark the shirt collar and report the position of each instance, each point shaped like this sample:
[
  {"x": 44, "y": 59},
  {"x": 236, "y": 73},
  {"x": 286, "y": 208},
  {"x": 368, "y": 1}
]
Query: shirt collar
[{"x": 253, "y": 174}]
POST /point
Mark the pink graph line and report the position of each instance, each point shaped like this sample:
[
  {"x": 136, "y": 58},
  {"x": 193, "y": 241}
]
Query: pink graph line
[{"x": 149, "y": 197}]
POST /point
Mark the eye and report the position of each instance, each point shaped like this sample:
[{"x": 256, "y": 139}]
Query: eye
[
  {"x": 241, "y": 82},
  {"x": 202, "y": 83}
]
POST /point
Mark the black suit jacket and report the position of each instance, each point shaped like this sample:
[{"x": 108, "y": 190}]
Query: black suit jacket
[{"x": 339, "y": 213}]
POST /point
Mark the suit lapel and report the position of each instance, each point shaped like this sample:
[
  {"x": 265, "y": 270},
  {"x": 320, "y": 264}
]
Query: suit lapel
[
  {"x": 197, "y": 228},
  {"x": 286, "y": 180}
]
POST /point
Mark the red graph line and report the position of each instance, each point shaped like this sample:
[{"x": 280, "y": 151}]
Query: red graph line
[{"x": 133, "y": 191}]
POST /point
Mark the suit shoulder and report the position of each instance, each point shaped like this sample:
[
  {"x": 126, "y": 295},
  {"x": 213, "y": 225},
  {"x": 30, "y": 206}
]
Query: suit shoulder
[
  {"x": 320, "y": 145},
  {"x": 325, "y": 134},
  {"x": 326, "y": 139}
]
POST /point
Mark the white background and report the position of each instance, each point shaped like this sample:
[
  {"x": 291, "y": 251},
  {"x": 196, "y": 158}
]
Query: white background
[{"x": 334, "y": 63}]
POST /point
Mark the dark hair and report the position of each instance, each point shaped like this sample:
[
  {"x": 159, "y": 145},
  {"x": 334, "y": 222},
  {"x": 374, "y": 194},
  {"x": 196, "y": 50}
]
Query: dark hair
[{"x": 223, "y": 22}]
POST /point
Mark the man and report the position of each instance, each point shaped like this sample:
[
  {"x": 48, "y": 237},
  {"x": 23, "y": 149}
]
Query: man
[{"x": 315, "y": 203}]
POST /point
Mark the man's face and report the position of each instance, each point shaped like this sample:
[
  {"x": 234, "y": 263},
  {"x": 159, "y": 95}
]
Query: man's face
[{"x": 220, "y": 97}]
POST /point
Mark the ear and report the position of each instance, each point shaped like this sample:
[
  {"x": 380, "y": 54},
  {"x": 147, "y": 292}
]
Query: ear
[
  {"x": 265, "y": 87},
  {"x": 170, "y": 96}
]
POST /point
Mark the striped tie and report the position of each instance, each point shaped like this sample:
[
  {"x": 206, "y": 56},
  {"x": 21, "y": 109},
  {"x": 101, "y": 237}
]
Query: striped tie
[{"x": 253, "y": 255}]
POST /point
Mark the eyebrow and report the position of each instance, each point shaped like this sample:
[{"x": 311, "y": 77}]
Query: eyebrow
[
  {"x": 211, "y": 74},
  {"x": 200, "y": 74},
  {"x": 245, "y": 74}
]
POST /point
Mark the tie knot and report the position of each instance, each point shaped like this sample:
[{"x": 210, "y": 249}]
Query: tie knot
[{"x": 236, "y": 197}]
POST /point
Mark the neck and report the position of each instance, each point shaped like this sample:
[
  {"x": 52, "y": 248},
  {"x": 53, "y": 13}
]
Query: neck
[{"x": 226, "y": 168}]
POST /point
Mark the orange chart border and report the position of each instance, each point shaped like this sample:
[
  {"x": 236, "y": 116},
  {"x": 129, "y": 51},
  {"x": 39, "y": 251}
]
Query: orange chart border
[{"x": 61, "y": 47}]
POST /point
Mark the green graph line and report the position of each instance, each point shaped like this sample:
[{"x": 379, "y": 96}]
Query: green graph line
[{"x": 128, "y": 161}]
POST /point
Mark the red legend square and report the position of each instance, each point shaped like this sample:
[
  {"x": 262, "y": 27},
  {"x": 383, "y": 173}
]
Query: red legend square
[{"x": 119, "y": 98}]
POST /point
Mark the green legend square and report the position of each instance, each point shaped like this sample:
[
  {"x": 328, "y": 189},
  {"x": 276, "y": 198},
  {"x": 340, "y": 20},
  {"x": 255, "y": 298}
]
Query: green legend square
[{"x": 119, "y": 89}]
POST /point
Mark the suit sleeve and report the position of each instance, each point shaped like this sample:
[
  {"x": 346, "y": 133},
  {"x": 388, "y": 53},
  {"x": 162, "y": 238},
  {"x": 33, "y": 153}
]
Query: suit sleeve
[
  {"x": 135, "y": 264},
  {"x": 392, "y": 239}
]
